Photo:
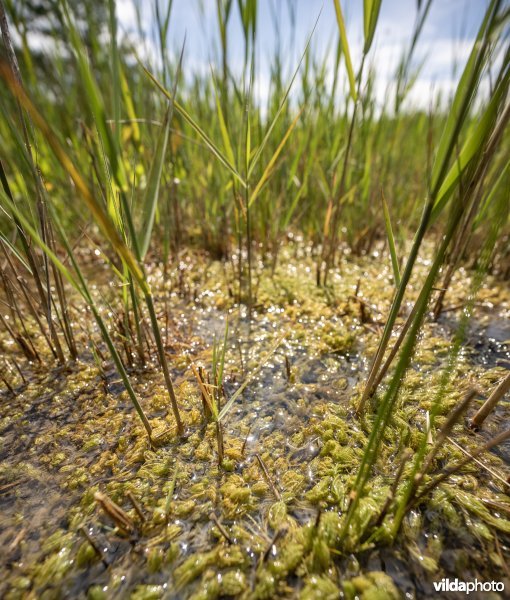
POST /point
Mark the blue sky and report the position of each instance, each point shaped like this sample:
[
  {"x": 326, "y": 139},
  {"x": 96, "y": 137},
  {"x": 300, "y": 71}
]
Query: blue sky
[{"x": 444, "y": 45}]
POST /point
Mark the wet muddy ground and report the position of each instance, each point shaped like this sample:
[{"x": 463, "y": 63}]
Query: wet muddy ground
[{"x": 266, "y": 522}]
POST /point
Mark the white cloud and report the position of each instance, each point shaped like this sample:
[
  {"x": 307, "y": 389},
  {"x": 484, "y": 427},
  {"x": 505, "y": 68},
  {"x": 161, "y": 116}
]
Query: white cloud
[{"x": 196, "y": 19}]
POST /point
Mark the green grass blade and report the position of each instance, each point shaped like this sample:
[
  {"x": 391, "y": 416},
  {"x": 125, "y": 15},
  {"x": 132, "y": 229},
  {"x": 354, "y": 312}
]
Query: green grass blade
[
  {"x": 466, "y": 88},
  {"x": 34, "y": 234},
  {"x": 15, "y": 251},
  {"x": 105, "y": 334},
  {"x": 201, "y": 133},
  {"x": 391, "y": 240},
  {"x": 271, "y": 163},
  {"x": 473, "y": 145},
  {"x": 151, "y": 197},
  {"x": 130, "y": 109},
  {"x": 283, "y": 101},
  {"x": 370, "y": 17},
  {"x": 115, "y": 67},
  {"x": 222, "y": 357},
  {"x": 345, "y": 48},
  {"x": 503, "y": 182},
  {"x": 95, "y": 100},
  {"x": 293, "y": 206},
  {"x": 223, "y": 125}
]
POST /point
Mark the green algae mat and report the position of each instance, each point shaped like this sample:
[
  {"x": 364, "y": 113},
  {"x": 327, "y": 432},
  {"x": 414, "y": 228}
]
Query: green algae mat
[{"x": 90, "y": 509}]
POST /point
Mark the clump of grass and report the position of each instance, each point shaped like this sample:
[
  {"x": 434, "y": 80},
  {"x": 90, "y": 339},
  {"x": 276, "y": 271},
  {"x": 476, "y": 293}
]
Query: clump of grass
[
  {"x": 481, "y": 149},
  {"x": 115, "y": 220}
]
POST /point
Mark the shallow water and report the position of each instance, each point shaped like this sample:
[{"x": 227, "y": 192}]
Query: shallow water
[{"x": 63, "y": 437}]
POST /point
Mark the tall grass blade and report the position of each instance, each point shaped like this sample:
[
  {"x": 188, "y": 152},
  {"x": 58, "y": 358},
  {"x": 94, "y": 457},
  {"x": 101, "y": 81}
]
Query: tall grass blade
[
  {"x": 194, "y": 125},
  {"x": 371, "y": 10},
  {"x": 464, "y": 93},
  {"x": 94, "y": 98},
  {"x": 156, "y": 171},
  {"x": 227, "y": 144},
  {"x": 272, "y": 161},
  {"x": 391, "y": 240},
  {"x": 473, "y": 145},
  {"x": 281, "y": 106},
  {"x": 345, "y": 48}
]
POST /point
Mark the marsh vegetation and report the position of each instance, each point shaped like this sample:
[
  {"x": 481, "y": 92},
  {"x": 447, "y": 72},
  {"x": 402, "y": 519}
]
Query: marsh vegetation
[{"x": 251, "y": 347}]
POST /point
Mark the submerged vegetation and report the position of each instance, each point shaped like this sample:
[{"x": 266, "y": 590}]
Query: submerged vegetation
[{"x": 252, "y": 346}]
